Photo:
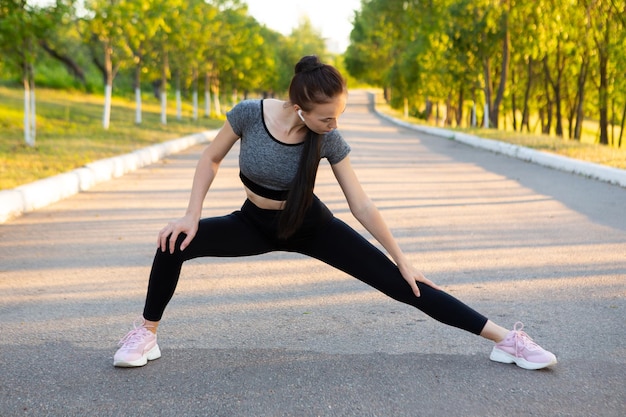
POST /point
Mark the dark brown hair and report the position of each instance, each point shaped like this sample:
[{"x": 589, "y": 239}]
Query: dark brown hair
[{"x": 313, "y": 83}]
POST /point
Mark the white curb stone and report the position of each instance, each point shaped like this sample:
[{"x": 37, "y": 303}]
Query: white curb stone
[{"x": 41, "y": 193}]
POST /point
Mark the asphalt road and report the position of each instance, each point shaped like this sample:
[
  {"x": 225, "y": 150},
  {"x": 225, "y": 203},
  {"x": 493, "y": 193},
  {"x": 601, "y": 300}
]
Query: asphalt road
[{"x": 283, "y": 335}]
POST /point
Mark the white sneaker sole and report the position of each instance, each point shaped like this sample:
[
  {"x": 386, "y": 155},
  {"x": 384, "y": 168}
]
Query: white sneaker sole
[
  {"x": 152, "y": 354},
  {"x": 499, "y": 356}
]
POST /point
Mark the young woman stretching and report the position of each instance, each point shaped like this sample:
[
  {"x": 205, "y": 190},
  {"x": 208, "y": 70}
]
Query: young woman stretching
[{"x": 281, "y": 147}]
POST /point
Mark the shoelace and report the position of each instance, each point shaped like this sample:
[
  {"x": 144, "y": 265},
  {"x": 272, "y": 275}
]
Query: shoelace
[
  {"x": 522, "y": 339},
  {"x": 134, "y": 337}
]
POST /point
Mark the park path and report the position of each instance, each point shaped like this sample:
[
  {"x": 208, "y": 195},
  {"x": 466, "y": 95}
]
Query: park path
[{"x": 283, "y": 335}]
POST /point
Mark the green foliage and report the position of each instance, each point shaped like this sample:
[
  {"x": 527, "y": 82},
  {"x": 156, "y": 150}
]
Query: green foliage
[
  {"x": 559, "y": 61},
  {"x": 186, "y": 40},
  {"x": 370, "y": 56}
]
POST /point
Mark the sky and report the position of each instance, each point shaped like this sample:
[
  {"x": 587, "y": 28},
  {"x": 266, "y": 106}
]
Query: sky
[{"x": 333, "y": 18}]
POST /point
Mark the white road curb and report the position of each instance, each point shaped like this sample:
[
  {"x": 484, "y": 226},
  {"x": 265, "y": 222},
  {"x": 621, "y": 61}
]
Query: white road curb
[
  {"x": 562, "y": 163},
  {"x": 38, "y": 194}
]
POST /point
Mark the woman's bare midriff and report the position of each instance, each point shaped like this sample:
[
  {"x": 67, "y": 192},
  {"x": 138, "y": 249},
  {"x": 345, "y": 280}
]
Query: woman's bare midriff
[{"x": 263, "y": 202}]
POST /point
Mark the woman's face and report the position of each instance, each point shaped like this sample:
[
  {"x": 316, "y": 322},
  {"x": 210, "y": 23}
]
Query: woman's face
[{"x": 323, "y": 118}]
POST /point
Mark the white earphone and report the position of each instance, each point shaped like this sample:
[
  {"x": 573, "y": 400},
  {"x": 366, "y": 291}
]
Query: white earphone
[{"x": 300, "y": 114}]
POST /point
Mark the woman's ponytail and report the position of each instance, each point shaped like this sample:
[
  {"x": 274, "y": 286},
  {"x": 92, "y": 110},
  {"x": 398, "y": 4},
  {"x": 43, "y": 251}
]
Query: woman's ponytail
[{"x": 313, "y": 83}]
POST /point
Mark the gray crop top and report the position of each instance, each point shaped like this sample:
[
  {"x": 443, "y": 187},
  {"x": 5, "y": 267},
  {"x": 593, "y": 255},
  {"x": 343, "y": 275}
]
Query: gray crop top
[{"x": 264, "y": 161}]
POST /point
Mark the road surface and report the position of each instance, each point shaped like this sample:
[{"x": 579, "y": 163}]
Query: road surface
[{"x": 283, "y": 335}]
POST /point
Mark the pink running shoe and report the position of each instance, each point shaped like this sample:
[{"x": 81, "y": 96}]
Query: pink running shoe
[
  {"x": 137, "y": 348},
  {"x": 520, "y": 349}
]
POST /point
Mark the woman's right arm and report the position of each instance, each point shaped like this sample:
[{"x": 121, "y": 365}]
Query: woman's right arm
[{"x": 206, "y": 170}]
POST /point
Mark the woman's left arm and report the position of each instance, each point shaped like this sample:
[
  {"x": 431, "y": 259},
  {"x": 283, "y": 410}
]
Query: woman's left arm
[{"x": 365, "y": 211}]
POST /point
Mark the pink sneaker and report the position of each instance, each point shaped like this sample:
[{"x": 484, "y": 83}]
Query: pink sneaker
[
  {"x": 137, "y": 348},
  {"x": 520, "y": 349}
]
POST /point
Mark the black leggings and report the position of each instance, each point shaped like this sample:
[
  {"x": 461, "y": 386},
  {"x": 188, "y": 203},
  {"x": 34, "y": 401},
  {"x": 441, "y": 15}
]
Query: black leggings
[{"x": 252, "y": 231}]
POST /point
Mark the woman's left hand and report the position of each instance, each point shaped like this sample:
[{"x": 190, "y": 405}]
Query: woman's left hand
[{"x": 412, "y": 276}]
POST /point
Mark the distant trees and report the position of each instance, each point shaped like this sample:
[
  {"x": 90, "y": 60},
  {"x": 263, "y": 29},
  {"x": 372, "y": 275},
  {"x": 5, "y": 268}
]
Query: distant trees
[
  {"x": 554, "y": 61},
  {"x": 544, "y": 65},
  {"x": 23, "y": 29},
  {"x": 167, "y": 45}
]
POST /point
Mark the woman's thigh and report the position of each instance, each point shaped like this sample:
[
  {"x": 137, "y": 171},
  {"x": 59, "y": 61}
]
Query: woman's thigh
[
  {"x": 342, "y": 247},
  {"x": 226, "y": 236}
]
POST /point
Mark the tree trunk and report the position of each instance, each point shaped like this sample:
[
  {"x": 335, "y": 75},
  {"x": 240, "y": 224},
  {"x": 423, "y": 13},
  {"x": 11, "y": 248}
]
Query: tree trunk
[
  {"x": 570, "y": 105},
  {"x": 556, "y": 86},
  {"x": 29, "y": 114},
  {"x": 179, "y": 102},
  {"x": 504, "y": 71},
  {"x": 612, "y": 142},
  {"x": 621, "y": 130},
  {"x": 559, "y": 114},
  {"x": 514, "y": 102},
  {"x": 207, "y": 95},
  {"x": 473, "y": 121},
  {"x": 459, "y": 111},
  {"x": 27, "y": 138},
  {"x": 108, "y": 86},
  {"x": 603, "y": 58},
  {"x": 558, "y": 99},
  {"x": 428, "y": 110},
  {"x": 164, "y": 70},
  {"x": 215, "y": 89},
  {"x": 580, "y": 103},
  {"x": 486, "y": 117},
  {"x": 33, "y": 112},
  {"x": 546, "y": 124},
  {"x": 194, "y": 98},
  {"x": 488, "y": 90},
  {"x": 526, "y": 111},
  {"x": 137, "y": 86}
]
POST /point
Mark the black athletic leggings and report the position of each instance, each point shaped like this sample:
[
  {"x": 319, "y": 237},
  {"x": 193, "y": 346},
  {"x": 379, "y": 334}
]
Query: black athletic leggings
[{"x": 252, "y": 231}]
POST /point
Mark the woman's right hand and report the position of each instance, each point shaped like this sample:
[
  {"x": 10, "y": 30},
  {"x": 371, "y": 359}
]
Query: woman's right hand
[
  {"x": 187, "y": 225},
  {"x": 206, "y": 170}
]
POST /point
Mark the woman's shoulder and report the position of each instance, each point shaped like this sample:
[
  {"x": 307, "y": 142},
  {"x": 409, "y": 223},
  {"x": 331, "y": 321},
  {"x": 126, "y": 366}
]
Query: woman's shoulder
[
  {"x": 334, "y": 147},
  {"x": 247, "y": 105},
  {"x": 244, "y": 113}
]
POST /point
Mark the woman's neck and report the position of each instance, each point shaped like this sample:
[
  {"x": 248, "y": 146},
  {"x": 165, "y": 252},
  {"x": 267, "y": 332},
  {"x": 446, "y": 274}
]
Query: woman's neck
[{"x": 283, "y": 122}]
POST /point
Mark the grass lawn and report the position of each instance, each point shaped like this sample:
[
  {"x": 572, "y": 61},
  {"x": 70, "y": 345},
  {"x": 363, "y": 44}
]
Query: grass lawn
[{"x": 70, "y": 132}]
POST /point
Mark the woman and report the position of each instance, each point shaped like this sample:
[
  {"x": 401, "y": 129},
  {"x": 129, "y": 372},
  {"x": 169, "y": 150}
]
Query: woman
[{"x": 281, "y": 147}]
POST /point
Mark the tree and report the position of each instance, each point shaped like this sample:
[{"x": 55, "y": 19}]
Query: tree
[
  {"x": 606, "y": 25},
  {"x": 164, "y": 42},
  {"x": 525, "y": 54},
  {"x": 143, "y": 21},
  {"x": 369, "y": 57},
  {"x": 200, "y": 20},
  {"x": 485, "y": 28},
  {"x": 105, "y": 31},
  {"x": 22, "y": 27},
  {"x": 18, "y": 23}
]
